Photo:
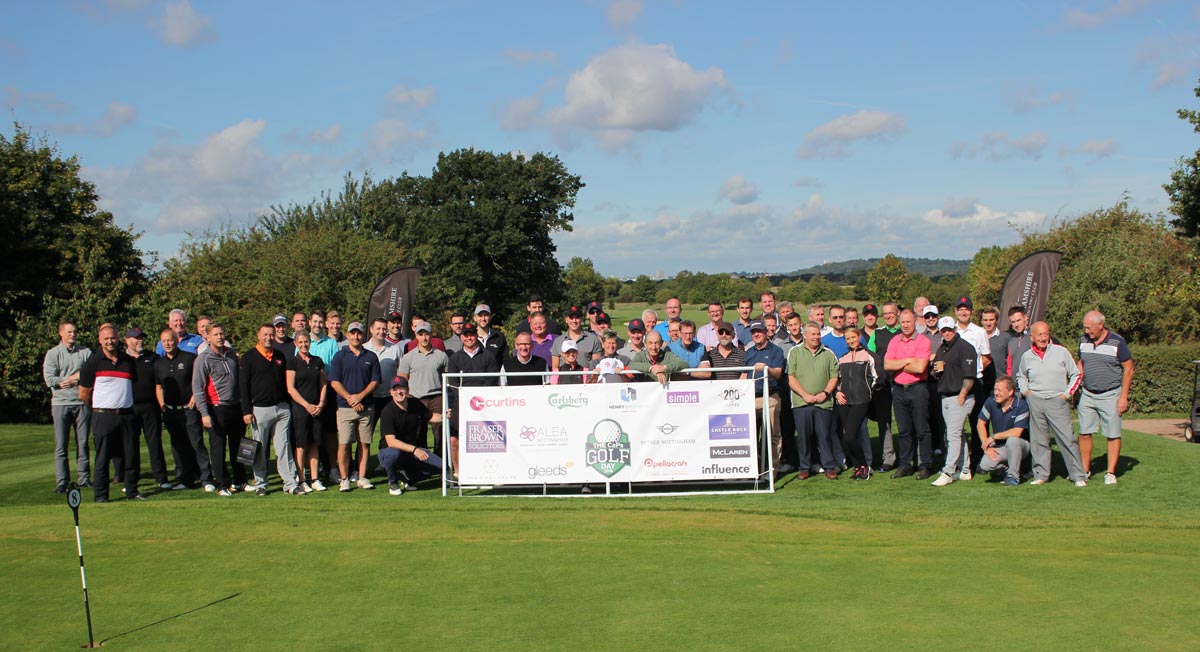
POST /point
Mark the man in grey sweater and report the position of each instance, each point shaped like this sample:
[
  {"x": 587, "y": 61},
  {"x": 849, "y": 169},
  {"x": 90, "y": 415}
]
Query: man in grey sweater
[
  {"x": 60, "y": 369},
  {"x": 1047, "y": 378}
]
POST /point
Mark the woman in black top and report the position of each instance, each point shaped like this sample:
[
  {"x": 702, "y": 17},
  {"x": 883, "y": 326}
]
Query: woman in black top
[
  {"x": 306, "y": 386},
  {"x": 857, "y": 378}
]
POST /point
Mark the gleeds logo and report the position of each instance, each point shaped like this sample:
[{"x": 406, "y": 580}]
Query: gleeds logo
[
  {"x": 729, "y": 426},
  {"x": 563, "y": 401},
  {"x": 478, "y": 402},
  {"x": 487, "y": 436}
]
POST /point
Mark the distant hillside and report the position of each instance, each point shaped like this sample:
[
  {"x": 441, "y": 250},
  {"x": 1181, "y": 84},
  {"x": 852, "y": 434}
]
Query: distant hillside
[{"x": 928, "y": 266}]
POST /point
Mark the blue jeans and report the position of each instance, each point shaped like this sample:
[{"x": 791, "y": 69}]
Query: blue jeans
[
  {"x": 396, "y": 462},
  {"x": 811, "y": 419}
]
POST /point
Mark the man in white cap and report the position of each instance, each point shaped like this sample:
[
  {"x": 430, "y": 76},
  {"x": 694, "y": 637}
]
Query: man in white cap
[
  {"x": 954, "y": 368},
  {"x": 491, "y": 339},
  {"x": 353, "y": 375}
]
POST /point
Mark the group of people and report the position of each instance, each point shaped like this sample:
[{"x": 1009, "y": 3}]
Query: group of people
[{"x": 316, "y": 394}]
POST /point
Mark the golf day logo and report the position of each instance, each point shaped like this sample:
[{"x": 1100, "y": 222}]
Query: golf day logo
[{"x": 607, "y": 449}]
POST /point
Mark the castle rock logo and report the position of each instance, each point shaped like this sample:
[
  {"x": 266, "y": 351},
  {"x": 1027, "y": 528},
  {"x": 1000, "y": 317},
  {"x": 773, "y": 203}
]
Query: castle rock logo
[{"x": 729, "y": 426}]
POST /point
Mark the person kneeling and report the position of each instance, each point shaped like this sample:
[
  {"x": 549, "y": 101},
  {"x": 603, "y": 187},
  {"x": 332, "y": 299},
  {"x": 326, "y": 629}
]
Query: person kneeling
[
  {"x": 401, "y": 426},
  {"x": 1008, "y": 415}
]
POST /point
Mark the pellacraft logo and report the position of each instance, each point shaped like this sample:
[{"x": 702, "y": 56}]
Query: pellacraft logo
[
  {"x": 487, "y": 436},
  {"x": 563, "y": 401},
  {"x": 608, "y": 449},
  {"x": 652, "y": 463},
  {"x": 478, "y": 402}
]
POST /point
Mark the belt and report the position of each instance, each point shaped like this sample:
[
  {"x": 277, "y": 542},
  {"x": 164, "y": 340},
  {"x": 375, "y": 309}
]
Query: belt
[
  {"x": 112, "y": 410},
  {"x": 910, "y": 385},
  {"x": 1102, "y": 391},
  {"x": 174, "y": 407}
]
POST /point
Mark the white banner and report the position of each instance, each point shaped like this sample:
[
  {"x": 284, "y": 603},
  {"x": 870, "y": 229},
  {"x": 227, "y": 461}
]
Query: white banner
[{"x": 620, "y": 432}]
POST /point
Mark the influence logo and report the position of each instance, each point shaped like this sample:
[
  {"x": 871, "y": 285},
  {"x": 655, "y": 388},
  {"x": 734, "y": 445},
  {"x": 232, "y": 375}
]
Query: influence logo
[
  {"x": 478, "y": 402},
  {"x": 562, "y": 401},
  {"x": 607, "y": 449},
  {"x": 717, "y": 469},
  {"x": 487, "y": 436},
  {"x": 728, "y": 426},
  {"x": 683, "y": 398},
  {"x": 724, "y": 452}
]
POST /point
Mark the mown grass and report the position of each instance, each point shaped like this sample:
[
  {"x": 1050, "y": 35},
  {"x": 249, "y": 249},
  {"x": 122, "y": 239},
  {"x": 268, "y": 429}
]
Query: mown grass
[{"x": 883, "y": 564}]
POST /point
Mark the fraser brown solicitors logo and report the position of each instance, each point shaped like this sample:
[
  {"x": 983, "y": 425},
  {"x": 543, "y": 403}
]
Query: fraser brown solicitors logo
[{"x": 487, "y": 436}]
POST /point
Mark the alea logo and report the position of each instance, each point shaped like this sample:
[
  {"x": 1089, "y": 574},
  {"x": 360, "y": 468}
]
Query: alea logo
[
  {"x": 562, "y": 401},
  {"x": 478, "y": 402}
]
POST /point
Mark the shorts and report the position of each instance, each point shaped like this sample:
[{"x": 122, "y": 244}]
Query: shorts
[
  {"x": 306, "y": 429},
  {"x": 1098, "y": 413},
  {"x": 352, "y": 424},
  {"x": 433, "y": 403}
]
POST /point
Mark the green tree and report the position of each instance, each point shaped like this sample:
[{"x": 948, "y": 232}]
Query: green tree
[
  {"x": 644, "y": 288},
  {"x": 821, "y": 289},
  {"x": 1184, "y": 188},
  {"x": 885, "y": 282},
  {"x": 581, "y": 282}
]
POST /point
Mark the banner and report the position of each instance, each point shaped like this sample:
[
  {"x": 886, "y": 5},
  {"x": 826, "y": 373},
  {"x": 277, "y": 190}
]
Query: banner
[
  {"x": 1028, "y": 284},
  {"x": 395, "y": 293},
  {"x": 619, "y": 432}
]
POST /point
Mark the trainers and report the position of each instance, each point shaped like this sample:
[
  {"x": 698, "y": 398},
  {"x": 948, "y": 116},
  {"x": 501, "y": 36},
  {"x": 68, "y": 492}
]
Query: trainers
[
  {"x": 61, "y": 488},
  {"x": 179, "y": 486},
  {"x": 306, "y": 488},
  {"x": 965, "y": 475},
  {"x": 1110, "y": 478},
  {"x": 165, "y": 485},
  {"x": 344, "y": 485},
  {"x": 857, "y": 475},
  {"x": 138, "y": 497},
  {"x": 252, "y": 487},
  {"x": 866, "y": 473},
  {"x": 209, "y": 487},
  {"x": 261, "y": 489},
  {"x": 943, "y": 479},
  {"x": 317, "y": 485},
  {"x": 224, "y": 492},
  {"x": 395, "y": 489},
  {"x": 295, "y": 491},
  {"x": 1081, "y": 483},
  {"x": 364, "y": 483},
  {"x": 354, "y": 477},
  {"x": 236, "y": 487},
  {"x": 1011, "y": 482},
  {"x": 1037, "y": 482}
]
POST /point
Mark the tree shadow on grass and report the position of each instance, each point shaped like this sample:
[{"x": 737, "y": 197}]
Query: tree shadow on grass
[{"x": 169, "y": 618}]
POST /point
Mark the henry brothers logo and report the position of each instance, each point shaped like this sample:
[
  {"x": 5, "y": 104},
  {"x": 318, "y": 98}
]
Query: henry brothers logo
[
  {"x": 607, "y": 449},
  {"x": 728, "y": 426},
  {"x": 487, "y": 436}
]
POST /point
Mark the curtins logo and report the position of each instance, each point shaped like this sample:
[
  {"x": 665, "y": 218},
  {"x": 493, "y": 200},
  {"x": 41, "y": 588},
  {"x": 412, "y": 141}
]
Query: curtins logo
[
  {"x": 562, "y": 401},
  {"x": 478, "y": 402},
  {"x": 608, "y": 449}
]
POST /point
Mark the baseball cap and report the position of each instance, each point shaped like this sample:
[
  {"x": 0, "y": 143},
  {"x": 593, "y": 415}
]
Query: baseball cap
[
  {"x": 395, "y": 316},
  {"x": 279, "y": 319},
  {"x": 870, "y": 309},
  {"x": 400, "y": 381},
  {"x": 603, "y": 318},
  {"x": 422, "y": 326},
  {"x": 482, "y": 308},
  {"x": 469, "y": 329},
  {"x": 929, "y": 310},
  {"x": 946, "y": 322},
  {"x": 574, "y": 311},
  {"x": 356, "y": 326},
  {"x": 724, "y": 325},
  {"x": 570, "y": 345},
  {"x": 637, "y": 325},
  {"x": 594, "y": 307},
  {"x": 135, "y": 332},
  {"x": 964, "y": 301},
  {"x": 757, "y": 325}
]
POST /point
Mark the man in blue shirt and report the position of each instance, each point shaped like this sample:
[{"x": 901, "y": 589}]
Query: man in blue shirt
[
  {"x": 687, "y": 348},
  {"x": 1005, "y": 448},
  {"x": 177, "y": 321},
  {"x": 768, "y": 360},
  {"x": 353, "y": 375}
]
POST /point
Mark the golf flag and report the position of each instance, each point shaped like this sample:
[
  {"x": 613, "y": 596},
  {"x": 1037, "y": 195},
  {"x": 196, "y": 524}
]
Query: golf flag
[
  {"x": 394, "y": 293},
  {"x": 1028, "y": 284}
]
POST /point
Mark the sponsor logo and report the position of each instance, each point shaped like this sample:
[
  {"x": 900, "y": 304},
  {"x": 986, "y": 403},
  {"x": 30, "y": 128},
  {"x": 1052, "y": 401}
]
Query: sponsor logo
[
  {"x": 722, "y": 452},
  {"x": 562, "y": 401},
  {"x": 487, "y": 436},
  {"x": 728, "y": 426},
  {"x": 667, "y": 428},
  {"x": 556, "y": 471},
  {"x": 651, "y": 463},
  {"x": 628, "y": 394},
  {"x": 608, "y": 449},
  {"x": 538, "y": 436},
  {"x": 717, "y": 469},
  {"x": 683, "y": 398},
  {"x": 478, "y": 402},
  {"x": 731, "y": 395}
]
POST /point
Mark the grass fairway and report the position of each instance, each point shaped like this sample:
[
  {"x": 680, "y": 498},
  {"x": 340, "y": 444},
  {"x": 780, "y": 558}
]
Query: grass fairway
[{"x": 894, "y": 565}]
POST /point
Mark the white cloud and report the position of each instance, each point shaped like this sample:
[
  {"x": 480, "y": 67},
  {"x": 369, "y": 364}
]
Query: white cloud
[
  {"x": 1029, "y": 98},
  {"x": 738, "y": 190},
  {"x": 831, "y": 139},
  {"x": 115, "y": 117},
  {"x": 997, "y": 146},
  {"x": 526, "y": 56},
  {"x": 327, "y": 136},
  {"x": 969, "y": 212},
  {"x": 393, "y": 139},
  {"x": 630, "y": 89},
  {"x": 183, "y": 26},
  {"x": 1083, "y": 19},
  {"x": 415, "y": 97},
  {"x": 1173, "y": 58},
  {"x": 42, "y": 102},
  {"x": 623, "y": 13},
  {"x": 1097, "y": 149},
  {"x": 807, "y": 182}
]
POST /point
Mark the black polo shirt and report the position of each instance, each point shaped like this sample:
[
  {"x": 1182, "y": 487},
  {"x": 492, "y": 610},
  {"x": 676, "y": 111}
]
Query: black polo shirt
[
  {"x": 407, "y": 425},
  {"x": 307, "y": 380},
  {"x": 959, "y": 357},
  {"x": 174, "y": 375},
  {"x": 143, "y": 386}
]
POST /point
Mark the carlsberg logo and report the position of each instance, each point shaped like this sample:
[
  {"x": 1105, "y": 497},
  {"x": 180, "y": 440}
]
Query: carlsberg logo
[{"x": 561, "y": 401}]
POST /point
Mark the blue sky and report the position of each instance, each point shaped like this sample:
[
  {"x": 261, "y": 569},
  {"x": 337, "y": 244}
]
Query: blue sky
[{"x": 711, "y": 137}]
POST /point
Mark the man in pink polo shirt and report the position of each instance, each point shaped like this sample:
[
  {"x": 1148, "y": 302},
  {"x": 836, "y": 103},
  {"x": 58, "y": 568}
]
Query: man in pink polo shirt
[{"x": 908, "y": 356}]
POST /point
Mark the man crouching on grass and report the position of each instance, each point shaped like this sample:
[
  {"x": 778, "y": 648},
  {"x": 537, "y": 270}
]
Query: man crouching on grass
[{"x": 401, "y": 426}]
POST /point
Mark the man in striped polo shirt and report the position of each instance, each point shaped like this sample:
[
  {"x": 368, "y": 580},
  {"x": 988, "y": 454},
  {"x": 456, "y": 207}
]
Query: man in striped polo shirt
[
  {"x": 1107, "y": 368},
  {"x": 106, "y": 384}
]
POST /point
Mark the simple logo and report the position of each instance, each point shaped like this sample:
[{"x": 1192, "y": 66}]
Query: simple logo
[
  {"x": 562, "y": 401},
  {"x": 487, "y": 436},
  {"x": 478, "y": 402},
  {"x": 607, "y": 449},
  {"x": 722, "y": 452},
  {"x": 728, "y": 426},
  {"x": 667, "y": 428},
  {"x": 652, "y": 463},
  {"x": 683, "y": 398},
  {"x": 717, "y": 469},
  {"x": 628, "y": 394}
]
